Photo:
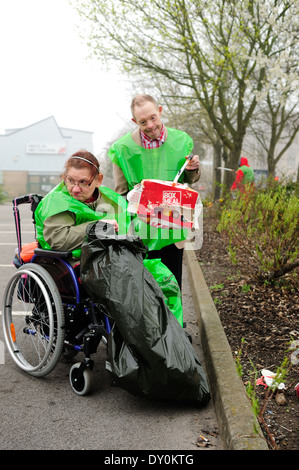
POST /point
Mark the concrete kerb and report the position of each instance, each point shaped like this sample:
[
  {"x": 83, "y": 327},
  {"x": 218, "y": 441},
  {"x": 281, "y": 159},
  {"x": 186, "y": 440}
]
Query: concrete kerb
[{"x": 233, "y": 410}]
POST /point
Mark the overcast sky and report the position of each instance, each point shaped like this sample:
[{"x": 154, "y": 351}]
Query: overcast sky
[{"x": 45, "y": 72}]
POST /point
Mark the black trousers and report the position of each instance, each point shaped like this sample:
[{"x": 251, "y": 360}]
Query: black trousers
[{"x": 172, "y": 257}]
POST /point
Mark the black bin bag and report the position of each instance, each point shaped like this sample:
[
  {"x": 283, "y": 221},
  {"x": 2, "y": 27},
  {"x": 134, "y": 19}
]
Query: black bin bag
[{"x": 149, "y": 353}]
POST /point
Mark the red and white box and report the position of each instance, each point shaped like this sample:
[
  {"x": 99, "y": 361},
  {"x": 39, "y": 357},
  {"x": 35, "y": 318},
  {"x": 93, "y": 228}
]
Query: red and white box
[{"x": 165, "y": 204}]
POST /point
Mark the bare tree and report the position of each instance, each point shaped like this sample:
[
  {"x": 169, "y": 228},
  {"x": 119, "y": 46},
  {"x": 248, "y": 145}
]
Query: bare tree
[
  {"x": 275, "y": 127},
  {"x": 219, "y": 52}
]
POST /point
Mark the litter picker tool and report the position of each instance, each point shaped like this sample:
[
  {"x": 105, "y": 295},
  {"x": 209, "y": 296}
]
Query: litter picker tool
[
  {"x": 223, "y": 168},
  {"x": 183, "y": 168}
]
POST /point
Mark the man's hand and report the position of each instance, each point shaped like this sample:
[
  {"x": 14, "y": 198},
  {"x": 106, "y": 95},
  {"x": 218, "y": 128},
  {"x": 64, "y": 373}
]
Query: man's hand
[
  {"x": 193, "y": 163},
  {"x": 112, "y": 222}
]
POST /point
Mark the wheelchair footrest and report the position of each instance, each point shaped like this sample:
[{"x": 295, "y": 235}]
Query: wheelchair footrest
[{"x": 92, "y": 338}]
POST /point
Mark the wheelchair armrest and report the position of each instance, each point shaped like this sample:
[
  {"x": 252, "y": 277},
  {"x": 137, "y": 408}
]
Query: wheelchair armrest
[{"x": 53, "y": 254}]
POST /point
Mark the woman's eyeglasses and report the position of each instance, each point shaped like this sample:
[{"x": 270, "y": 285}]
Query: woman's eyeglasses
[{"x": 82, "y": 184}]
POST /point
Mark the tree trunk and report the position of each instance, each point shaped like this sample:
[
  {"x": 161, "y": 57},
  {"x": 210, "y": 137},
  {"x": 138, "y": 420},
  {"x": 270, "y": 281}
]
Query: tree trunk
[
  {"x": 216, "y": 173},
  {"x": 271, "y": 163},
  {"x": 232, "y": 163}
]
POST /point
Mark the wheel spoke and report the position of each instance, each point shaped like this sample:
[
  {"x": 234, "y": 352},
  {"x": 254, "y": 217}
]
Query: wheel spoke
[{"x": 33, "y": 320}]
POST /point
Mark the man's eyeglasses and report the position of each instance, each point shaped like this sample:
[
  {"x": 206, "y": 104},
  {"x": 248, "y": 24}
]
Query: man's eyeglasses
[{"x": 82, "y": 184}]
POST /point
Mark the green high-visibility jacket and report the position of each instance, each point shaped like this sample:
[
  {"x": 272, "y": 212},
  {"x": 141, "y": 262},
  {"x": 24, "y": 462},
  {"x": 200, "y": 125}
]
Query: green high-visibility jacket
[
  {"x": 248, "y": 174},
  {"x": 59, "y": 200},
  {"x": 163, "y": 163}
]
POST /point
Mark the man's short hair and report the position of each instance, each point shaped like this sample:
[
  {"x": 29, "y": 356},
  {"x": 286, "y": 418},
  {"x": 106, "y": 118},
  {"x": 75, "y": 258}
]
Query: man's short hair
[{"x": 139, "y": 100}]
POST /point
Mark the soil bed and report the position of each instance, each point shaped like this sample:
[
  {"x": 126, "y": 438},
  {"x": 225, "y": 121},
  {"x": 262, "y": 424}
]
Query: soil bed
[{"x": 261, "y": 321}]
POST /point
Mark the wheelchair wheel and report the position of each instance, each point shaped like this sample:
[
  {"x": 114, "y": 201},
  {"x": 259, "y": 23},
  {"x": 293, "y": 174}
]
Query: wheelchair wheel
[
  {"x": 80, "y": 379},
  {"x": 33, "y": 320}
]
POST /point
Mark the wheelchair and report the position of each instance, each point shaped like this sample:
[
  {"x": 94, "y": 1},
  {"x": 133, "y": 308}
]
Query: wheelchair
[{"x": 47, "y": 313}]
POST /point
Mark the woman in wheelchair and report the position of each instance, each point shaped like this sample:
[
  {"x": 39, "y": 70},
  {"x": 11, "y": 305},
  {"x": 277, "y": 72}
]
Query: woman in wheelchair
[{"x": 46, "y": 306}]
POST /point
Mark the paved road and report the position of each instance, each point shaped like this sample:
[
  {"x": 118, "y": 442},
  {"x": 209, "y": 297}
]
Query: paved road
[{"x": 45, "y": 413}]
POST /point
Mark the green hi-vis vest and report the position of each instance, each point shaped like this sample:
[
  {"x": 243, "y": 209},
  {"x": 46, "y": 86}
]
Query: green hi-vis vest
[
  {"x": 248, "y": 174},
  {"x": 162, "y": 163},
  {"x": 59, "y": 200}
]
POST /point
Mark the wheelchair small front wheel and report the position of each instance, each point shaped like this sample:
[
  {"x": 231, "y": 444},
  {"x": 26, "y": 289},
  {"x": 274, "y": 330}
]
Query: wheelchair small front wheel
[{"x": 80, "y": 379}]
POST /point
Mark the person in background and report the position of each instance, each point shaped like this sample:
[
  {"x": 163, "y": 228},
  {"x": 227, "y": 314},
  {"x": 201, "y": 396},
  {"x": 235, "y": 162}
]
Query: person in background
[
  {"x": 154, "y": 151},
  {"x": 244, "y": 176}
]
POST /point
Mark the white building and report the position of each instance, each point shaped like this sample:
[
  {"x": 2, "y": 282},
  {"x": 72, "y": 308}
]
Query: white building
[
  {"x": 32, "y": 158},
  {"x": 287, "y": 166}
]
